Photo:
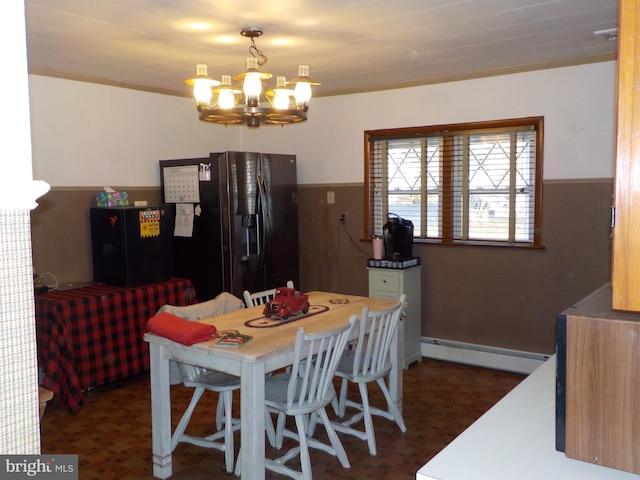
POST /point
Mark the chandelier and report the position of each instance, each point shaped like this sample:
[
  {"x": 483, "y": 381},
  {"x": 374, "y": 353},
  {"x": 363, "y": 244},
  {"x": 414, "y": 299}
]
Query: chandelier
[{"x": 222, "y": 102}]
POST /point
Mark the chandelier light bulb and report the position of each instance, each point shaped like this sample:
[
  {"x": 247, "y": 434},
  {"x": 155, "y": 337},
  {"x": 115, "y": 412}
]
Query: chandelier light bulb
[
  {"x": 281, "y": 98},
  {"x": 303, "y": 88},
  {"x": 226, "y": 97},
  {"x": 202, "y": 86},
  {"x": 252, "y": 86},
  {"x": 303, "y": 94}
]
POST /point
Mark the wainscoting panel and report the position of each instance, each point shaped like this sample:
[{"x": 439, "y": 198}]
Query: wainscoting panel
[
  {"x": 61, "y": 235},
  {"x": 498, "y": 297}
]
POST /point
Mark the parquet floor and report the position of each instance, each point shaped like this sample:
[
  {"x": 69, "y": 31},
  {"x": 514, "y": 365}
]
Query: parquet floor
[{"x": 112, "y": 432}]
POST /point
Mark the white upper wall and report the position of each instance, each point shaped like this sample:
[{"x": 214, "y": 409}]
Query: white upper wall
[
  {"x": 91, "y": 135},
  {"x": 85, "y": 134},
  {"x": 578, "y": 104}
]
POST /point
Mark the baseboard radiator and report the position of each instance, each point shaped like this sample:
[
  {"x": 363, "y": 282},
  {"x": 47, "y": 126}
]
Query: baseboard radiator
[{"x": 482, "y": 355}]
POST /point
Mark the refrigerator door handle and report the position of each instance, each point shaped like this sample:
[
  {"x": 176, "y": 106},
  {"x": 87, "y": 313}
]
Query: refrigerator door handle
[
  {"x": 258, "y": 236},
  {"x": 263, "y": 218},
  {"x": 248, "y": 242}
]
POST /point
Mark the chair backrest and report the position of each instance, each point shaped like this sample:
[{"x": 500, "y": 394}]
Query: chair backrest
[
  {"x": 377, "y": 329},
  {"x": 315, "y": 360},
  {"x": 260, "y": 298},
  {"x": 223, "y": 303},
  {"x": 189, "y": 372}
]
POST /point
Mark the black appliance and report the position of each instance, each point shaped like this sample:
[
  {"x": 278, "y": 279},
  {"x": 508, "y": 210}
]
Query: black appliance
[
  {"x": 131, "y": 245},
  {"x": 398, "y": 237},
  {"x": 236, "y": 216}
]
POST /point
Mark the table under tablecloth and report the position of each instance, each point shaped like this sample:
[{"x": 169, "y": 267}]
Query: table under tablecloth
[{"x": 91, "y": 336}]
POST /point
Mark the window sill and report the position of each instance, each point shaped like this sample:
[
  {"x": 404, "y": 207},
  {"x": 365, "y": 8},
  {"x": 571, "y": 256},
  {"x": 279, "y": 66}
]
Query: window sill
[{"x": 471, "y": 243}]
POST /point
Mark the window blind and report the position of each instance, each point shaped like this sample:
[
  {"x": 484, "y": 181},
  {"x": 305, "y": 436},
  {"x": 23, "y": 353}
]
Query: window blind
[{"x": 471, "y": 185}]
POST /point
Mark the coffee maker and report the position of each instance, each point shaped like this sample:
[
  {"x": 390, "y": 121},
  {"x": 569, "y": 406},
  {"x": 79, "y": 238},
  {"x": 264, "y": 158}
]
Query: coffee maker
[{"x": 398, "y": 237}]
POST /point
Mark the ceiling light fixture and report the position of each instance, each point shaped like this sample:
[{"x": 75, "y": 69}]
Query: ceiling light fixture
[{"x": 222, "y": 102}]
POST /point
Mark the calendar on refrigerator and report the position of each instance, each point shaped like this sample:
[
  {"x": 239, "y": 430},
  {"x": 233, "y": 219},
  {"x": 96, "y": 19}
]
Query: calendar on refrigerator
[{"x": 181, "y": 184}]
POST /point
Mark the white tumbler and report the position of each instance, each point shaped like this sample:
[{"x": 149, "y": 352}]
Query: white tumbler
[{"x": 378, "y": 247}]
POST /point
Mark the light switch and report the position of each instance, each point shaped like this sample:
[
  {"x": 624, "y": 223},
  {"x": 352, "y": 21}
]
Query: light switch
[{"x": 331, "y": 197}]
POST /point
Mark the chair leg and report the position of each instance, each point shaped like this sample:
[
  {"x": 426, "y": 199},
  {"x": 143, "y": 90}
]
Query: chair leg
[
  {"x": 220, "y": 413},
  {"x": 268, "y": 426},
  {"x": 184, "y": 421},
  {"x": 313, "y": 421},
  {"x": 280, "y": 430},
  {"x": 238, "y": 471},
  {"x": 391, "y": 407},
  {"x": 340, "y": 402},
  {"x": 305, "y": 459},
  {"x": 334, "y": 439},
  {"x": 368, "y": 421},
  {"x": 229, "y": 448}
]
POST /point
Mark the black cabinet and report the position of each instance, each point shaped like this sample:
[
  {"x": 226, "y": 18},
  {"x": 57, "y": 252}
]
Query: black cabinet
[{"x": 131, "y": 245}]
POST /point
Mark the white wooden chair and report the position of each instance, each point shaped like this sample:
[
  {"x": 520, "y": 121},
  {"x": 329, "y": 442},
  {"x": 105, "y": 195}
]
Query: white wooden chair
[
  {"x": 305, "y": 392},
  {"x": 201, "y": 380},
  {"x": 260, "y": 298},
  {"x": 369, "y": 361}
]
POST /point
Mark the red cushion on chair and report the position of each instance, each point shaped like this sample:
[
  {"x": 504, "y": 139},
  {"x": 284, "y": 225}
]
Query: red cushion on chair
[{"x": 180, "y": 330}]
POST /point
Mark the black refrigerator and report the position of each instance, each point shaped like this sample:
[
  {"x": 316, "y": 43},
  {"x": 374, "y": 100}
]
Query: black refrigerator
[{"x": 235, "y": 221}]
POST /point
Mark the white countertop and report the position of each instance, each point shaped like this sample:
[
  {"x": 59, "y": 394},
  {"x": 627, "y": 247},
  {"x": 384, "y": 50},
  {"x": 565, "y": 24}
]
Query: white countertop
[{"x": 516, "y": 440}]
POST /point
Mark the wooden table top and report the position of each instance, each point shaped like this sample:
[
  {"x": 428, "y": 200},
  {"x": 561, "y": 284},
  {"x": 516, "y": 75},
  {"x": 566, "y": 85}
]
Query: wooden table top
[{"x": 277, "y": 340}]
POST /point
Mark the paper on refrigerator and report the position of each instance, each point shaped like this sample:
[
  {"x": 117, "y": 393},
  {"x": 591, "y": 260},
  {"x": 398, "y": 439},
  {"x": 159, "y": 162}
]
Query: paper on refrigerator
[{"x": 184, "y": 220}]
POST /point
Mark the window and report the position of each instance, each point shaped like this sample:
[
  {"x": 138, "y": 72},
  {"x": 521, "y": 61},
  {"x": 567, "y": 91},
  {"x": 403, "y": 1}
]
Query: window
[{"x": 473, "y": 183}]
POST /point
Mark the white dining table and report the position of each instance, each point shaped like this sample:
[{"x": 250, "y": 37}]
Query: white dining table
[{"x": 271, "y": 348}]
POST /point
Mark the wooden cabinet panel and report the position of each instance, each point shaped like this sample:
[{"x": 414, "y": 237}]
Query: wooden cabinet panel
[
  {"x": 625, "y": 265},
  {"x": 603, "y": 384}
]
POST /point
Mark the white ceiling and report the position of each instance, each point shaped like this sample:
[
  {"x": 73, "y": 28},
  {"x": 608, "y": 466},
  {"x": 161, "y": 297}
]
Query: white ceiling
[{"x": 349, "y": 45}]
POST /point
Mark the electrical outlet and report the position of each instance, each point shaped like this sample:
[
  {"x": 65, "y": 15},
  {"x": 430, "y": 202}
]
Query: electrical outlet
[
  {"x": 344, "y": 217},
  {"x": 331, "y": 197}
]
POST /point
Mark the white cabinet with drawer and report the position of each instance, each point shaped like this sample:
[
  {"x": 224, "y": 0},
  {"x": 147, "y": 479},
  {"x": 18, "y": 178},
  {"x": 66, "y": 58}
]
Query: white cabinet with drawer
[{"x": 391, "y": 283}]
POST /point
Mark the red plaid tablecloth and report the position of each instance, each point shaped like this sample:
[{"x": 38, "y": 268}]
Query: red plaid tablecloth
[{"x": 92, "y": 336}]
